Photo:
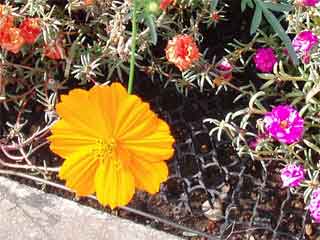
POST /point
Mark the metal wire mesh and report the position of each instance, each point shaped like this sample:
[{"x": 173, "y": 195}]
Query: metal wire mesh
[
  {"x": 208, "y": 180},
  {"x": 244, "y": 197}
]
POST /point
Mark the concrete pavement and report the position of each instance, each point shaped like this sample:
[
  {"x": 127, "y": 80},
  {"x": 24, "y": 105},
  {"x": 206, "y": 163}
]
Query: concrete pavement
[{"x": 29, "y": 214}]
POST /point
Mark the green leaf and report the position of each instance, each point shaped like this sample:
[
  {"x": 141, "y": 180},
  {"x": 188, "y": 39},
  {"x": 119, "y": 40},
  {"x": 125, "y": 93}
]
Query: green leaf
[
  {"x": 256, "y": 20},
  {"x": 274, "y": 23},
  {"x": 314, "y": 91},
  {"x": 312, "y": 146},
  {"x": 153, "y": 29},
  {"x": 278, "y": 7},
  {"x": 214, "y": 4},
  {"x": 245, "y": 3}
]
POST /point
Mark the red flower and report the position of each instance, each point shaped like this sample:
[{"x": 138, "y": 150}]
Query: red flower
[
  {"x": 164, "y": 4},
  {"x": 215, "y": 16},
  {"x": 182, "y": 51},
  {"x": 30, "y": 29},
  {"x": 12, "y": 40},
  {"x": 54, "y": 50}
]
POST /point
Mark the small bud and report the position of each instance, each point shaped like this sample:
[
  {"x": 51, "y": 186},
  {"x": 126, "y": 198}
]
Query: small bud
[{"x": 152, "y": 7}]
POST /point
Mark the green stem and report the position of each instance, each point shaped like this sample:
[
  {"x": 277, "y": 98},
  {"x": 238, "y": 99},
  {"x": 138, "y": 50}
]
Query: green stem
[{"x": 133, "y": 46}]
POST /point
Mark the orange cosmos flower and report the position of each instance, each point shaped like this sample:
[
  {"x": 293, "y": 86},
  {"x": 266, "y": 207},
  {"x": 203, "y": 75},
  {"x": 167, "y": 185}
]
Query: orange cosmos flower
[
  {"x": 30, "y": 29},
  {"x": 112, "y": 143},
  {"x": 12, "y": 40},
  {"x": 182, "y": 51}
]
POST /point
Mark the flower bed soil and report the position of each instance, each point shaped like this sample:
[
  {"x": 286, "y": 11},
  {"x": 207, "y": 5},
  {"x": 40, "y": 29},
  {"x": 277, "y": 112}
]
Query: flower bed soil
[{"x": 246, "y": 198}]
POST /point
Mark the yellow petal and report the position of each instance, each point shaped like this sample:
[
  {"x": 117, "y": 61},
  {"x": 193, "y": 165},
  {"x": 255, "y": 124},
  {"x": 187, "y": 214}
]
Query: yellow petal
[
  {"x": 101, "y": 97},
  {"x": 114, "y": 183},
  {"x": 117, "y": 95},
  {"x": 134, "y": 118},
  {"x": 66, "y": 140},
  {"x": 148, "y": 175},
  {"x": 79, "y": 172},
  {"x": 155, "y": 147},
  {"x": 77, "y": 110}
]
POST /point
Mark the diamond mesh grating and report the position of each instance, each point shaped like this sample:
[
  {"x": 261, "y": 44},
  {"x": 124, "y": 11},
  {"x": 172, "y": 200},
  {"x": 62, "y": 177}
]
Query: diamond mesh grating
[{"x": 245, "y": 196}]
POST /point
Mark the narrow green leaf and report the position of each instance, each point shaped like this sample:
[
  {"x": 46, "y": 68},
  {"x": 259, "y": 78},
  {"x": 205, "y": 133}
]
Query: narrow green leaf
[
  {"x": 274, "y": 23},
  {"x": 214, "y": 4},
  {"x": 314, "y": 91},
  {"x": 312, "y": 146},
  {"x": 278, "y": 7},
  {"x": 256, "y": 20},
  {"x": 153, "y": 29},
  {"x": 245, "y": 3}
]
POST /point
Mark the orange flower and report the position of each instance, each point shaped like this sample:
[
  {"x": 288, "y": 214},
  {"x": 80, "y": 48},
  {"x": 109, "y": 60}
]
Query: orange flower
[
  {"x": 164, "y": 4},
  {"x": 87, "y": 2},
  {"x": 112, "y": 143},
  {"x": 30, "y": 29},
  {"x": 54, "y": 50},
  {"x": 6, "y": 19},
  {"x": 182, "y": 51},
  {"x": 12, "y": 40}
]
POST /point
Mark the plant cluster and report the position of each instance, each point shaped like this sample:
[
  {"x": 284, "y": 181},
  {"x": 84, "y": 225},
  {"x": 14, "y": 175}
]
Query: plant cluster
[{"x": 281, "y": 120}]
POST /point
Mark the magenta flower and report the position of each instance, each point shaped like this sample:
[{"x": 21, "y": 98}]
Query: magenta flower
[
  {"x": 307, "y": 3},
  {"x": 292, "y": 175},
  {"x": 265, "y": 59},
  {"x": 314, "y": 205},
  {"x": 254, "y": 143},
  {"x": 224, "y": 68},
  {"x": 284, "y": 124},
  {"x": 303, "y": 43}
]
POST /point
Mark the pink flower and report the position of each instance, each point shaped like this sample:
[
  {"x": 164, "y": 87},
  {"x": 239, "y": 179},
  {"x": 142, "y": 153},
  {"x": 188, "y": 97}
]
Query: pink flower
[
  {"x": 303, "y": 43},
  {"x": 265, "y": 59},
  {"x": 292, "y": 175},
  {"x": 224, "y": 68},
  {"x": 314, "y": 205},
  {"x": 307, "y": 3},
  {"x": 256, "y": 141},
  {"x": 284, "y": 124}
]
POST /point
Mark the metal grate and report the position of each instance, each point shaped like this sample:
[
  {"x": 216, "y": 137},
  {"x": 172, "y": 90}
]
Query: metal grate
[{"x": 243, "y": 197}]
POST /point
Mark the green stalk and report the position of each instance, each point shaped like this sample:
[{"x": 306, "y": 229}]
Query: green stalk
[{"x": 133, "y": 46}]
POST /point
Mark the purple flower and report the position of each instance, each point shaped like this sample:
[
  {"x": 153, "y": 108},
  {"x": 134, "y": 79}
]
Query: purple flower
[
  {"x": 254, "y": 143},
  {"x": 307, "y": 3},
  {"x": 303, "y": 43},
  {"x": 314, "y": 205},
  {"x": 224, "y": 68},
  {"x": 224, "y": 65},
  {"x": 284, "y": 124},
  {"x": 265, "y": 59},
  {"x": 292, "y": 175}
]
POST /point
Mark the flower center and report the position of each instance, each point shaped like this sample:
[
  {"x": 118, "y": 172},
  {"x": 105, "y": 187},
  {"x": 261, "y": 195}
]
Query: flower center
[
  {"x": 284, "y": 124},
  {"x": 104, "y": 152},
  {"x": 34, "y": 23}
]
